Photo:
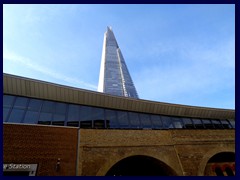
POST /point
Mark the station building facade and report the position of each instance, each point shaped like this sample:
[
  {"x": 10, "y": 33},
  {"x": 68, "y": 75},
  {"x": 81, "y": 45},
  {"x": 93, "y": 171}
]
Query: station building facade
[{"x": 55, "y": 130}]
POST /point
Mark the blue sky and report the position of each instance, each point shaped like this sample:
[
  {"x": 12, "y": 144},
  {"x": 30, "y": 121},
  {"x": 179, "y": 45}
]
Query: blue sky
[{"x": 182, "y": 54}]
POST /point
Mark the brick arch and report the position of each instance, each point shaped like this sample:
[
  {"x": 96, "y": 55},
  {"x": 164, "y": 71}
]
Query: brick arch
[
  {"x": 209, "y": 155},
  {"x": 115, "y": 159}
]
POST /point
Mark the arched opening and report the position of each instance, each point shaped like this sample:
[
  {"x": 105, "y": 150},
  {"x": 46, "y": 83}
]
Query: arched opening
[
  {"x": 221, "y": 164},
  {"x": 140, "y": 166}
]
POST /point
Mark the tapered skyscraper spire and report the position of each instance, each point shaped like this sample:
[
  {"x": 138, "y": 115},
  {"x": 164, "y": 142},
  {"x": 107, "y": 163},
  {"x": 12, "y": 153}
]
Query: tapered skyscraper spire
[{"x": 114, "y": 77}]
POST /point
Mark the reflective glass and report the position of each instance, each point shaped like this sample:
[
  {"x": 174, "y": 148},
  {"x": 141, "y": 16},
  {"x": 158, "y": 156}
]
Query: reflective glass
[
  {"x": 225, "y": 124},
  {"x": 188, "y": 123},
  {"x": 167, "y": 122},
  {"x": 198, "y": 123},
  {"x": 35, "y": 104},
  {"x": 85, "y": 113},
  {"x": 31, "y": 117},
  {"x": 111, "y": 118},
  {"x": 217, "y": 124},
  {"x": 73, "y": 112},
  {"x": 21, "y": 102},
  {"x": 5, "y": 114},
  {"x": 208, "y": 124},
  {"x": 123, "y": 118},
  {"x": 156, "y": 121},
  {"x": 16, "y": 115},
  {"x": 232, "y": 122},
  {"x": 48, "y": 106},
  {"x": 45, "y": 117},
  {"x": 97, "y": 113},
  {"x": 59, "y": 117},
  {"x": 134, "y": 120},
  {"x": 60, "y": 108},
  {"x": 177, "y": 123},
  {"x": 8, "y": 100},
  {"x": 145, "y": 120}
]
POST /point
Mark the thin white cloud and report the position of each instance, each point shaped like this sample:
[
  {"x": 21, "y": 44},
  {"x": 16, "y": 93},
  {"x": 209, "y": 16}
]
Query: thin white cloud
[{"x": 36, "y": 67}]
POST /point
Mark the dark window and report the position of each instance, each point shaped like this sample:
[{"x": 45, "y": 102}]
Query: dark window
[
  {"x": 60, "y": 108},
  {"x": 73, "y": 112},
  {"x": 188, "y": 123},
  {"x": 123, "y": 119},
  {"x": 35, "y": 104},
  {"x": 86, "y": 124},
  {"x": 111, "y": 118},
  {"x": 45, "y": 117},
  {"x": 225, "y": 124},
  {"x": 85, "y": 113},
  {"x": 217, "y": 124},
  {"x": 177, "y": 122},
  {"x": 73, "y": 123},
  {"x": 198, "y": 123},
  {"x": 145, "y": 120},
  {"x": 44, "y": 122},
  {"x": 58, "y": 123},
  {"x": 16, "y": 115},
  {"x": 99, "y": 124},
  {"x": 134, "y": 120},
  {"x": 5, "y": 114},
  {"x": 31, "y": 117},
  {"x": 48, "y": 106},
  {"x": 8, "y": 100},
  {"x": 208, "y": 124},
  {"x": 167, "y": 122},
  {"x": 232, "y": 122},
  {"x": 21, "y": 103},
  {"x": 218, "y": 171},
  {"x": 157, "y": 122}
]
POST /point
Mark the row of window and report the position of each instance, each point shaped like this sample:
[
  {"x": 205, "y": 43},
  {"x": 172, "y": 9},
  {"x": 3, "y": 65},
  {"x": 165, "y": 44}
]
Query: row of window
[{"x": 35, "y": 111}]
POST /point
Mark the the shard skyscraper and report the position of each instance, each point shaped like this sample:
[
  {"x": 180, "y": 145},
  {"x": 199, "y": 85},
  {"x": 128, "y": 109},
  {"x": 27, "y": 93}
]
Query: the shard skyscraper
[{"x": 114, "y": 76}]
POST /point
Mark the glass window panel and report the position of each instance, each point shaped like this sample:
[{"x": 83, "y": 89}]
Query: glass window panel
[
  {"x": 8, "y": 100},
  {"x": 85, "y": 113},
  {"x": 48, "y": 106},
  {"x": 188, "y": 123},
  {"x": 73, "y": 123},
  {"x": 208, "y": 124},
  {"x": 60, "y": 108},
  {"x": 31, "y": 117},
  {"x": 167, "y": 122},
  {"x": 34, "y": 104},
  {"x": 58, "y": 123},
  {"x": 123, "y": 118},
  {"x": 177, "y": 123},
  {"x": 45, "y": 117},
  {"x": 5, "y": 114},
  {"x": 21, "y": 102},
  {"x": 86, "y": 124},
  {"x": 134, "y": 120},
  {"x": 156, "y": 121},
  {"x": 198, "y": 123},
  {"x": 97, "y": 113},
  {"x": 145, "y": 120},
  {"x": 232, "y": 122},
  {"x": 73, "y": 112},
  {"x": 16, "y": 115},
  {"x": 111, "y": 118},
  {"x": 217, "y": 124},
  {"x": 59, "y": 117},
  {"x": 225, "y": 124}
]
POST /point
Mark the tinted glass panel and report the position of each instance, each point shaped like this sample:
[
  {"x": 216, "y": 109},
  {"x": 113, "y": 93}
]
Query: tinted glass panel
[
  {"x": 58, "y": 123},
  {"x": 8, "y": 100},
  {"x": 167, "y": 122},
  {"x": 48, "y": 106},
  {"x": 198, "y": 123},
  {"x": 145, "y": 120},
  {"x": 111, "y": 118},
  {"x": 134, "y": 120},
  {"x": 31, "y": 117},
  {"x": 97, "y": 113},
  {"x": 225, "y": 124},
  {"x": 73, "y": 123},
  {"x": 73, "y": 112},
  {"x": 58, "y": 117},
  {"x": 177, "y": 123},
  {"x": 156, "y": 121},
  {"x": 45, "y": 117},
  {"x": 123, "y": 119},
  {"x": 85, "y": 113},
  {"x": 188, "y": 123},
  {"x": 232, "y": 122},
  {"x": 5, "y": 114},
  {"x": 217, "y": 124},
  {"x": 16, "y": 115},
  {"x": 207, "y": 123},
  {"x": 60, "y": 108},
  {"x": 35, "y": 104},
  {"x": 21, "y": 102}
]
